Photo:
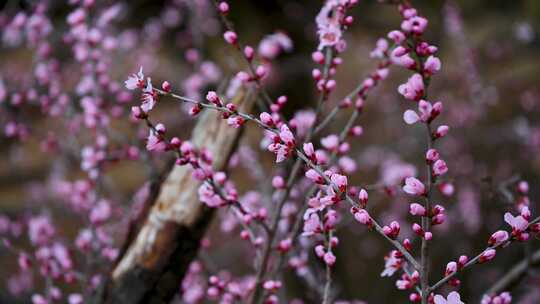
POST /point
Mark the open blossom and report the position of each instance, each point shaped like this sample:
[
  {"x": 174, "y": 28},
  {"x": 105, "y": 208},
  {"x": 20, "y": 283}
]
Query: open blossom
[
  {"x": 453, "y": 298},
  {"x": 328, "y": 24},
  {"x": 135, "y": 81},
  {"x": 415, "y": 25},
  {"x": 413, "y": 89},
  {"x": 148, "y": 97},
  {"x": 518, "y": 223},
  {"x": 392, "y": 263},
  {"x": 414, "y": 187}
]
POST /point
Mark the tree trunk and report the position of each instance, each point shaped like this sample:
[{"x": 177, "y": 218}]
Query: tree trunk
[{"x": 156, "y": 258}]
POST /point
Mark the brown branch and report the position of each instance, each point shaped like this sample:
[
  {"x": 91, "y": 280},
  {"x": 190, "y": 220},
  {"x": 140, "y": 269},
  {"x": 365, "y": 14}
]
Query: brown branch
[
  {"x": 155, "y": 261},
  {"x": 514, "y": 275}
]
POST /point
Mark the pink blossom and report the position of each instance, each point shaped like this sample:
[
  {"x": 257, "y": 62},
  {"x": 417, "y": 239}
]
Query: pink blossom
[
  {"x": 75, "y": 298},
  {"x": 432, "y": 65},
  {"x": 440, "y": 167},
  {"x": 413, "y": 89},
  {"x": 286, "y": 135},
  {"x": 314, "y": 176},
  {"x": 362, "y": 216},
  {"x": 451, "y": 268},
  {"x": 380, "y": 49},
  {"x": 230, "y": 37},
  {"x": 363, "y": 197},
  {"x": 223, "y": 7},
  {"x": 155, "y": 142},
  {"x": 340, "y": 181},
  {"x": 40, "y": 230},
  {"x": 101, "y": 212},
  {"x": 312, "y": 223},
  {"x": 415, "y": 25},
  {"x": 272, "y": 45},
  {"x": 329, "y": 258},
  {"x": 393, "y": 263},
  {"x": 518, "y": 223},
  {"x": 410, "y": 117},
  {"x": 441, "y": 131},
  {"x": 397, "y": 36},
  {"x": 432, "y": 155},
  {"x": 330, "y": 142},
  {"x": 39, "y": 299},
  {"x": 487, "y": 255},
  {"x": 498, "y": 237},
  {"x": 413, "y": 186},
  {"x": 417, "y": 209},
  {"x": 135, "y": 81},
  {"x": 148, "y": 97},
  {"x": 453, "y": 298},
  {"x": 235, "y": 121}
]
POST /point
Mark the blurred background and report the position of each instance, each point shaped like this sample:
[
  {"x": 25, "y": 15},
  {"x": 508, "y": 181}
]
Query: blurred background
[{"x": 489, "y": 85}]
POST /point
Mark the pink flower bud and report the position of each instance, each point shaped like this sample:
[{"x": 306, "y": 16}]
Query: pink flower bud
[
  {"x": 362, "y": 216},
  {"x": 498, "y": 237},
  {"x": 166, "y": 86},
  {"x": 447, "y": 189},
  {"x": 357, "y": 131},
  {"x": 314, "y": 176},
  {"x": 407, "y": 244},
  {"x": 318, "y": 57},
  {"x": 462, "y": 261},
  {"x": 340, "y": 181},
  {"x": 278, "y": 182},
  {"x": 397, "y": 36},
  {"x": 330, "y": 85},
  {"x": 261, "y": 71},
  {"x": 428, "y": 236},
  {"x": 223, "y": 7},
  {"x": 413, "y": 186},
  {"x": 230, "y": 37},
  {"x": 432, "y": 65},
  {"x": 441, "y": 131},
  {"x": 523, "y": 187},
  {"x": 213, "y": 97},
  {"x": 363, "y": 197},
  {"x": 438, "y": 219},
  {"x": 487, "y": 255},
  {"x": 266, "y": 119},
  {"x": 417, "y": 209},
  {"x": 319, "y": 251},
  {"x": 329, "y": 258},
  {"x": 440, "y": 167},
  {"x": 285, "y": 245},
  {"x": 418, "y": 229},
  {"x": 249, "y": 52},
  {"x": 450, "y": 268},
  {"x": 432, "y": 155},
  {"x": 316, "y": 74}
]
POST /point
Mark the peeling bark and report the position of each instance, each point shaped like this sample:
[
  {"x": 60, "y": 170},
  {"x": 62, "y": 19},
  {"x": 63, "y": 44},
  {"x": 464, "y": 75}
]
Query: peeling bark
[{"x": 154, "y": 262}]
